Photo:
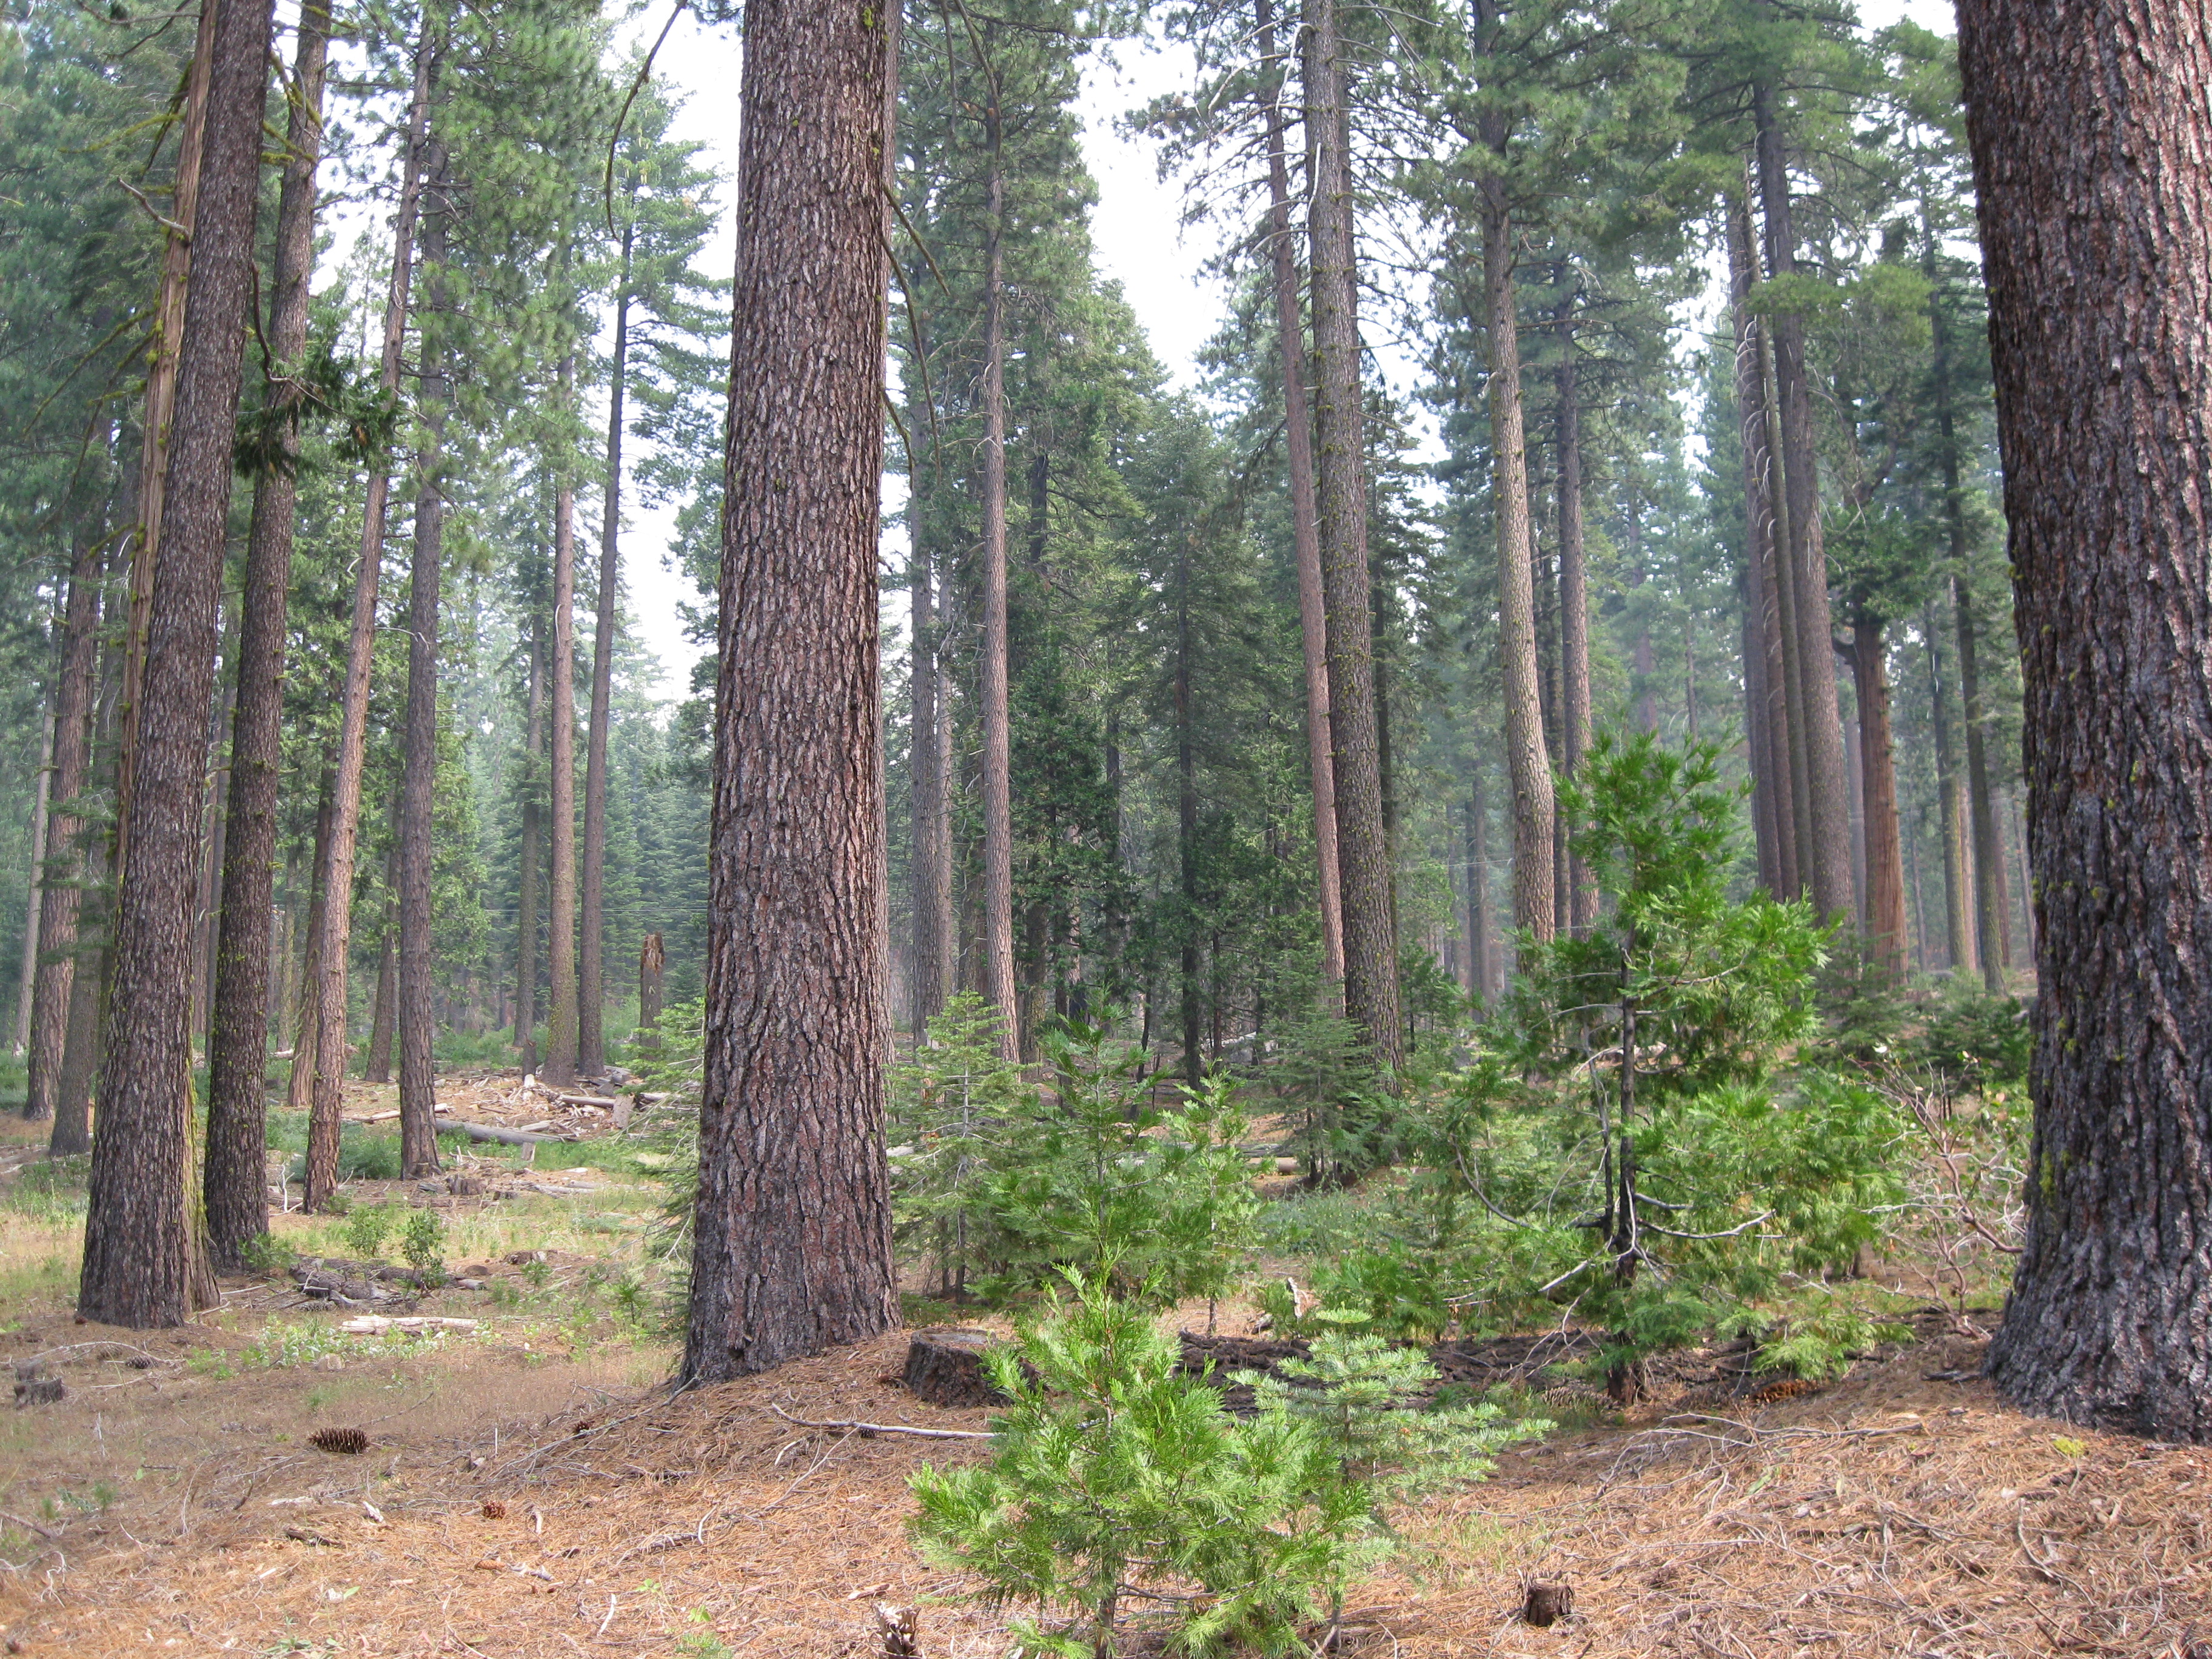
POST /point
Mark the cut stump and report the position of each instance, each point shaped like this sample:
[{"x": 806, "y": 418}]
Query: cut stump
[
  {"x": 1549, "y": 1603},
  {"x": 946, "y": 1368}
]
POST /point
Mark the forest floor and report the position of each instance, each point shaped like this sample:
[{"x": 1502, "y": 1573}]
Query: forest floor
[{"x": 530, "y": 1488}]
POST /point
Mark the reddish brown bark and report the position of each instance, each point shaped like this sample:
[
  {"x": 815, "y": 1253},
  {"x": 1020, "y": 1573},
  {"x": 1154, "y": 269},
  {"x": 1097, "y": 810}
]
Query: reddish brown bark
[
  {"x": 235, "y": 1181},
  {"x": 140, "y": 1267},
  {"x": 560, "y": 808},
  {"x": 2091, "y": 126},
  {"x": 792, "y": 1248},
  {"x": 1825, "y": 855},
  {"x": 1305, "y": 532},
  {"x": 1364, "y": 873},
  {"x": 62, "y": 871}
]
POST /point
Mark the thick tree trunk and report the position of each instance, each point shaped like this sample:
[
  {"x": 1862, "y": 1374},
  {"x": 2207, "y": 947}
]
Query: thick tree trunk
[
  {"x": 999, "y": 989},
  {"x": 793, "y": 1230},
  {"x": 141, "y": 1265},
  {"x": 1305, "y": 532},
  {"x": 1364, "y": 873},
  {"x": 591, "y": 947},
  {"x": 157, "y": 425},
  {"x": 335, "y": 939},
  {"x": 62, "y": 873},
  {"x": 2091, "y": 126},
  {"x": 416, "y": 839},
  {"x": 561, "y": 1014},
  {"x": 1825, "y": 857},
  {"x": 1528, "y": 762},
  {"x": 1885, "y": 852},
  {"x": 1574, "y": 601},
  {"x": 236, "y": 1184}
]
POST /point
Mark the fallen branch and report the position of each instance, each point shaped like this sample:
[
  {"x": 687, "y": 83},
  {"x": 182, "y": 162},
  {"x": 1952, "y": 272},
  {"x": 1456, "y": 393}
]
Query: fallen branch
[
  {"x": 884, "y": 1428},
  {"x": 20, "y": 1521},
  {"x": 504, "y": 1137}
]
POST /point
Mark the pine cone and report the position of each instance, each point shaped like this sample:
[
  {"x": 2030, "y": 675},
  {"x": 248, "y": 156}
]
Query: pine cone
[{"x": 346, "y": 1441}]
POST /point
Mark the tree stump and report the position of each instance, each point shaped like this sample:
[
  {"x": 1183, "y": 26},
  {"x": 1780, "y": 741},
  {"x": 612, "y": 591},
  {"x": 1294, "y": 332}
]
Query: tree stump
[
  {"x": 1548, "y": 1604},
  {"x": 946, "y": 1368}
]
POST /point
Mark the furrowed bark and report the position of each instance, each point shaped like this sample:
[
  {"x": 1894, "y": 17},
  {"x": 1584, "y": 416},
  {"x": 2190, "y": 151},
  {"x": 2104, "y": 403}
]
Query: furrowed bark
[
  {"x": 793, "y": 1248},
  {"x": 1364, "y": 873},
  {"x": 1306, "y": 532},
  {"x": 235, "y": 1183},
  {"x": 1825, "y": 857},
  {"x": 142, "y": 1264},
  {"x": 2090, "y": 122}
]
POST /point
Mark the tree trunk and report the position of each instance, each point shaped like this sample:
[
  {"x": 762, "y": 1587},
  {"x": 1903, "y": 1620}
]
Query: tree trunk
[
  {"x": 934, "y": 940},
  {"x": 2091, "y": 125},
  {"x": 1363, "y": 873},
  {"x": 1958, "y": 924},
  {"x": 1773, "y": 763},
  {"x": 335, "y": 936},
  {"x": 35, "y": 886},
  {"x": 591, "y": 998},
  {"x": 236, "y": 1184},
  {"x": 1991, "y": 907},
  {"x": 1825, "y": 857},
  {"x": 1194, "y": 1069},
  {"x": 62, "y": 873},
  {"x": 142, "y": 1266},
  {"x": 792, "y": 1248},
  {"x": 1305, "y": 532},
  {"x": 299, "y": 1086},
  {"x": 1528, "y": 762},
  {"x": 999, "y": 989},
  {"x": 652, "y": 966},
  {"x": 1574, "y": 602},
  {"x": 157, "y": 426},
  {"x": 1479, "y": 948},
  {"x": 532, "y": 856},
  {"x": 416, "y": 1002},
  {"x": 1885, "y": 852},
  {"x": 384, "y": 1020},
  {"x": 561, "y": 1017}
]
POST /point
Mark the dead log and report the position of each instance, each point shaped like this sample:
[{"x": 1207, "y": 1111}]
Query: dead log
[
  {"x": 504, "y": 1137},
  {"x": 946, "y": 1368}
]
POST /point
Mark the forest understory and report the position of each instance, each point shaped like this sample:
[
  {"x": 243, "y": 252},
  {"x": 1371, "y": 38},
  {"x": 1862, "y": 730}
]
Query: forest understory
[{"x": 528, "y": 1486}]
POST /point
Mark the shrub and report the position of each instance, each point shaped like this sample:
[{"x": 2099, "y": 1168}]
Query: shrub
[
  {"x": 367, "y": 1227},
  {"x": 1114, "y": 1480},
  {"x": 421, "y": 1240}
]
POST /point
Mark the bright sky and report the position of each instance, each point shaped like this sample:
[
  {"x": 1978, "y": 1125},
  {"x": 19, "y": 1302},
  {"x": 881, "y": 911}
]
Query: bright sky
[{"x": 1136, "y": 229}]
